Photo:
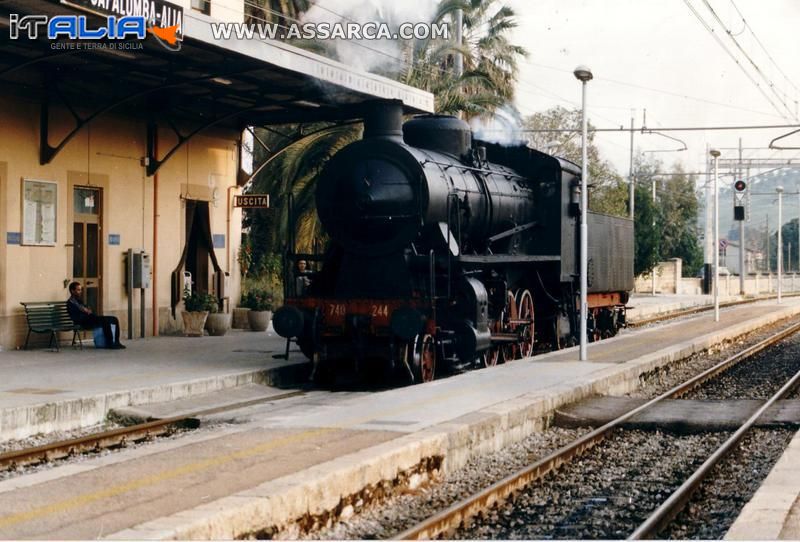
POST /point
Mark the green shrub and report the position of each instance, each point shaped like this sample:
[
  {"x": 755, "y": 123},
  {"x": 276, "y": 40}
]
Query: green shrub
[
  {"x": 197, "y": 302},
  {"x": 257, "y": 299}
]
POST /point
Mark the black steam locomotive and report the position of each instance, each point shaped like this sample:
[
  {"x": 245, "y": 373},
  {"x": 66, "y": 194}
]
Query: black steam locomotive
[{"x": 450, "y": 251}]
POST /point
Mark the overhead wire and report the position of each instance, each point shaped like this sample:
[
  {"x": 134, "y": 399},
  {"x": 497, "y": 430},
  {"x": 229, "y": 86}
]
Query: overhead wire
[
  {"x": 755, "y": 66},
  {"x": 747, "y": 25},
  {"x": 659, "y": 91},
  {"x": 710, "y": 30}
]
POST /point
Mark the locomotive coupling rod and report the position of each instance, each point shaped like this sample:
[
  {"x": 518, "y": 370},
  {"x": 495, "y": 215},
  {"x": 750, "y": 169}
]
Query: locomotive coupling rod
[{"x": 504, "y": 338}]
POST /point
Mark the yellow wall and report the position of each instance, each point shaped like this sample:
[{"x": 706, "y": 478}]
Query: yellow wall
[{"x": 107, "y": 153}]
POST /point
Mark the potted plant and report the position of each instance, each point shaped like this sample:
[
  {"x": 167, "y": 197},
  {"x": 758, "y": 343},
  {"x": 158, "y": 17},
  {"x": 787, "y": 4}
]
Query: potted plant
[
  {"x": 260, "y": 304},
  {"x": 218, "y": 323},
  {"x": 196, "y": 309}
]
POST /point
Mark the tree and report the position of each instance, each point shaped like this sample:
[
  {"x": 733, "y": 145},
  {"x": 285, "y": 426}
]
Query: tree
[
  {"x": 675, "y": 213},
  {"x": 608, "y": 192},
  {"x": 299, "y": 154},
  {"x": 789, "y": 239},
  {"x": 678, "y": 208},
  {"x": 647, "y": 231},
  {"x": 283, "y": 12}
]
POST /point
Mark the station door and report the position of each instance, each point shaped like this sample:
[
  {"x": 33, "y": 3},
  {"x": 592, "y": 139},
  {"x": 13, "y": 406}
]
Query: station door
[{"x": 87, "y": 244}]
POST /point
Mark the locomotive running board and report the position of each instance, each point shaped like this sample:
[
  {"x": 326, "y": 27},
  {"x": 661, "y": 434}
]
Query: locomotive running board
[{"x": 506, "y": 259}]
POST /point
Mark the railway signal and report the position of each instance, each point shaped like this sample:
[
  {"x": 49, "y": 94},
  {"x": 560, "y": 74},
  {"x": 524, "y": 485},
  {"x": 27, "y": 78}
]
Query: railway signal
[{"x": 739, "y": 192}]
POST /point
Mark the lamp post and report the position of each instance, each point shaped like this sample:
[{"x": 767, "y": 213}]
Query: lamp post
[
  {"x": 715, "y": 154},
  {"x": 584, "y": 75},
  {"x": 779, "y": 190}
]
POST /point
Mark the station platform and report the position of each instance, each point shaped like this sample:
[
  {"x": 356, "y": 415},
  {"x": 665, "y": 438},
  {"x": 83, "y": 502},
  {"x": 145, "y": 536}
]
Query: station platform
[
  {"x": 643, "y": 306},
  {"x": 45, "y": 391},
  {"x": 307, "y": 457}
]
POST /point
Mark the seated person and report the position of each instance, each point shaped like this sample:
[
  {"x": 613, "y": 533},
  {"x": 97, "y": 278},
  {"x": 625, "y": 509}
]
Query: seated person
[{"x": 83, "y": 316}]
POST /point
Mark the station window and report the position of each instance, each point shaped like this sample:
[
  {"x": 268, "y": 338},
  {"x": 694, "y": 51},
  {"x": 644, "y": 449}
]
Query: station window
[{"x": 203, "y": 6}]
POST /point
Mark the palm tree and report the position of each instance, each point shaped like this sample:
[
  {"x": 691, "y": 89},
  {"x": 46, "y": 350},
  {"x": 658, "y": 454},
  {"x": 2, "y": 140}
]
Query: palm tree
[
  {"x": 490, "y": 60},
  {"x": 299, "y": 153},
  {"x": 274, "y": 11}
]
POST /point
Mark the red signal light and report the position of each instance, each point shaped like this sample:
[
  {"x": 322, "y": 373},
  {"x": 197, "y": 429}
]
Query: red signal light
[{"x": 740, "y": 186}]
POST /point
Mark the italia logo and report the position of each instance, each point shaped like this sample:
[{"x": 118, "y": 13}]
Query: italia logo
[{"x": 77, "y": 27}]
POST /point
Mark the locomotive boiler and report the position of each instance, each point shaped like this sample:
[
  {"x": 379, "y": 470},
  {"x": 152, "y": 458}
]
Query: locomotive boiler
[{"x": 447, "y": 251}]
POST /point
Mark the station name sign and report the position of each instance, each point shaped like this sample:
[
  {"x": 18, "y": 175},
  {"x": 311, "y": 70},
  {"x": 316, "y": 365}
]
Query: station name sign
[
  {"x": 157, "y": 12},
  {"x": 252, "y": 201}
]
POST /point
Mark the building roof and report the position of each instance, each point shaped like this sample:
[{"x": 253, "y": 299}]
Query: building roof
[{"x": 235, "y": 82}]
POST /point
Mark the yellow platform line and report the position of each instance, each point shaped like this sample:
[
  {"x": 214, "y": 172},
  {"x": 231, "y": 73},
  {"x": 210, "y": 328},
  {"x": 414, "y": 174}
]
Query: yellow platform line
[{"x": 89, "y": 498}]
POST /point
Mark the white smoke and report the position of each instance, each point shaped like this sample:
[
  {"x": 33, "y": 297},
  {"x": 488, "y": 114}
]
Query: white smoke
[
  {"x": 384, "y": 56},
  {"x": 503, "y": 127}
]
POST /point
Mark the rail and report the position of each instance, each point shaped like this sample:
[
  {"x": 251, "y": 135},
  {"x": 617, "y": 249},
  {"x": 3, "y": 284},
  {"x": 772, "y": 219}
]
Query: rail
[{"x": 671, "y": 507}]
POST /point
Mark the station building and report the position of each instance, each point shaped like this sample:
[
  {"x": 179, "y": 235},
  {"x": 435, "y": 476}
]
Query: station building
[{"x": 109, "y": 146}]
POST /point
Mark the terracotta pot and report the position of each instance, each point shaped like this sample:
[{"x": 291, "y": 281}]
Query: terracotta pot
[
  {"x": 240, "y": 318},
  {"x": 259, "y": 320},
  {"x": 193, "y": 323},
  {"x": 218, "y": 323}
]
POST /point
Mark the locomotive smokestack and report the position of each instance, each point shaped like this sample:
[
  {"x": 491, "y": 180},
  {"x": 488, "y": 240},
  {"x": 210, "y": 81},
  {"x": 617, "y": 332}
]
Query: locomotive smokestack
[
  {"x": 442, "y": 133},
  {"x": 383, "y": 118}
]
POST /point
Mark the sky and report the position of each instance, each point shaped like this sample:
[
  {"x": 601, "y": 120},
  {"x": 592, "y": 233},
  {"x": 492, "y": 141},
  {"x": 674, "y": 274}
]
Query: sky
[{"x": 661, "y": 45}]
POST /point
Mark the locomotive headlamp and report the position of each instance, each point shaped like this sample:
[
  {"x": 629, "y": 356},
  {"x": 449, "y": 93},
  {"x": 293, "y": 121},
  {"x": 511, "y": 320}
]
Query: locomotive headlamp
[{"x": 288, "y": 322}]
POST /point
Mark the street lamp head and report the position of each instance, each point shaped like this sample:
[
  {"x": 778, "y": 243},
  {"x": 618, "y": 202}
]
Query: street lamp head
[
  {"x": 715, "y": 153},
  {"x": 779, "y": 189},
  {"x": 583, "y": 73}
]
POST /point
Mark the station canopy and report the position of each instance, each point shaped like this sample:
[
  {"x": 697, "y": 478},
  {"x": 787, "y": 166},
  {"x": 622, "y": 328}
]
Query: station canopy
[{"x": 231, "y": 83}]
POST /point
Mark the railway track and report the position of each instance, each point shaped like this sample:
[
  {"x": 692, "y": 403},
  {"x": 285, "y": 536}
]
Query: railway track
[
  {"x": 458, "y": 514},
  {"x": 697, "y": 310},
  {"x": 120, "y": 437}
]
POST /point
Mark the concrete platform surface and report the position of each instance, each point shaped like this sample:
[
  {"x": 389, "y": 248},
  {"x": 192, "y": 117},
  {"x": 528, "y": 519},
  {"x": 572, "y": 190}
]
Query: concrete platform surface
[
  {"x": 43, "y": 391},
  {"x": 313, "y": 456},
  {"x": 642, "y": 306}
]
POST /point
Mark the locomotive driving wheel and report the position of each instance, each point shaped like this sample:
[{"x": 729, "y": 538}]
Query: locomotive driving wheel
[
  {"x": 494, "y": 355},
  {"x": 511, "y": 313},
  {"x": 526, "y": 327},
  {"x": 422, "y": 358}
]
